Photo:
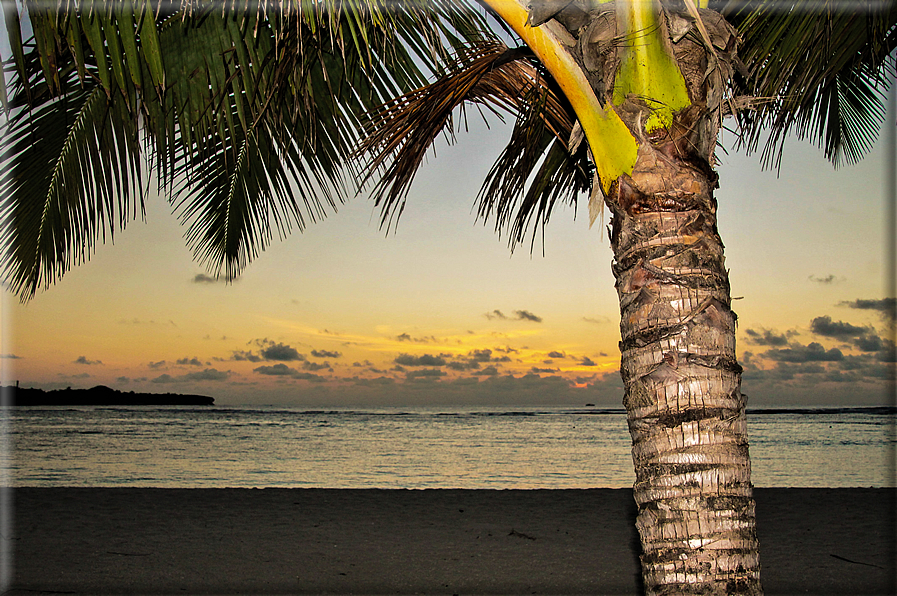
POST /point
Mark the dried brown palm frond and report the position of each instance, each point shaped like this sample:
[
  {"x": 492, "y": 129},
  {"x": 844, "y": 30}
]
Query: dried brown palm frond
[
  {"x": 488, "y": 75},
  {"x": 536, "y": 169}
]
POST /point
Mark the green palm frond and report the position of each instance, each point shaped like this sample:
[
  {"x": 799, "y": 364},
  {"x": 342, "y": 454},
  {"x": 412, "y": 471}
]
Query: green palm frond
[
  {"x": 252, "y": 116},
  {"x": 280, "y": 161},
  {"x": 249, "y": 118},
  {"x": 232, "y": 203},
  {"x": 281, "y": 164},
  {"x": 818, "y": 70},
  {"x": 72, "y": 173}
]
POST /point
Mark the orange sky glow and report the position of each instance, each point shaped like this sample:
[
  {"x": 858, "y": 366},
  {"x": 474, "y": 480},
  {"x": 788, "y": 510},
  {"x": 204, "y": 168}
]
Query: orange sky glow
[{"x": 442, "y": 312}]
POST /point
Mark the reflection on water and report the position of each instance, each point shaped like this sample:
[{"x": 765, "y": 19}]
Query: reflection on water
[
  {"x": 410, "y": 448},
  {"x": 838, "y": 448}
]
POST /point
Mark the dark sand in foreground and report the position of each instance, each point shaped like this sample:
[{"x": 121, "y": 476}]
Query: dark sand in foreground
[{"x": 316, "y": 541}]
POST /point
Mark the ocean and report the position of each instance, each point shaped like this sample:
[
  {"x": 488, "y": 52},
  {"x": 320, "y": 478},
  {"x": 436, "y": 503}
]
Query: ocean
[{"x": 409, "y": 448}]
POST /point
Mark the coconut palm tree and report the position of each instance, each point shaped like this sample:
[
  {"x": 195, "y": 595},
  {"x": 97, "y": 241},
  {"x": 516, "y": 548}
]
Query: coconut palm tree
[{"x": 263, "y": 117}]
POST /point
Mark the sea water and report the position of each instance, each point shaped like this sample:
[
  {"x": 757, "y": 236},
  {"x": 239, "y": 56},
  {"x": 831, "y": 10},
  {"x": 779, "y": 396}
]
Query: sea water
[{"x": 413, "y": 448}]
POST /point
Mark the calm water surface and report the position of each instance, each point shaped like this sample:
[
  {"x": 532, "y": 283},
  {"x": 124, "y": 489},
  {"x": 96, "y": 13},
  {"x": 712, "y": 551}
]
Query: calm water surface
[{"x": 409, "y": 448}]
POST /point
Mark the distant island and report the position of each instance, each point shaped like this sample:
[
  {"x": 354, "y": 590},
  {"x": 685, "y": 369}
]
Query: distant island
[{"x": 98, "y": 396}]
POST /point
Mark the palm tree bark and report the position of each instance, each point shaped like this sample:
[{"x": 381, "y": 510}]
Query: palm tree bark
[
  {"x": 682, "y": 382},
  {"x": 685, "y": 409}
]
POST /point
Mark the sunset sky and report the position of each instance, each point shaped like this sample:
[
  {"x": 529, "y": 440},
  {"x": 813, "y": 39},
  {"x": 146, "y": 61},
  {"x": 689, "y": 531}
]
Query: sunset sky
[{"x": 440, "y": 312}]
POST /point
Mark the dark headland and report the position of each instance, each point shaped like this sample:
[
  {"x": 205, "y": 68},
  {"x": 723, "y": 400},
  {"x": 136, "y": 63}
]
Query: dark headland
[{"x": 98, "y": 396}]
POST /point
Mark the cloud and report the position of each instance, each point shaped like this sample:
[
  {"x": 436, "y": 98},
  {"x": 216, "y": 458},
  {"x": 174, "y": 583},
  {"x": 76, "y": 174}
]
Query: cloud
[
  {"x": 425, "y": 360},
  {"x": 159, "y": 364},
  {"x": 883, "y": 370},
  {"x": 463, "y": 365},
  {"x": 828, "y": 279},
  {"x": 886, "y": 307},
  {"x": 489, "y": 371},
  {"x": 378, "y": 381},
  {"x": 537, "y": 370},
  {"x": 474, "y": 359},
  {"x": 765, "y": 337},
  {"x": 315, "y": 366},
  {"x": 240, "y": 355},
  {"x": 189, "y": 362},
  {"x": 888, "y": 354},
  {"x": 813, "y": 352},
  {"x": 269, "y": 351},
  {"x": 136, "y": 321},
  {"x": 276, "y": 370},
  {"x": 519, "y": 315},
  {"x": 586, "y": 361},
  {"x": 9, "y": 357},
  {"x": 836, "y": 329},
  {"x": 857, "y": 368},
  {"x": 870, "y": 342},
  {"x": 597, "y": 321},
  {"x": 282, "y": 370},
  {"x": 525, "y": 315},
  {"x": 425, "y": 373},
  {"x": 555, "y": 354},
  {"x": 311, "y": 378},
  {"x": 325, "y": 354},
  {"x": 84, "y": 360},
  {"x": 816, "y": 379},
  {"x": 431, "y": 388},
  {"x": 282, "y": 352},
  {"x": 202, "y": 278},
  {"x": 484, "y": 355},
  {"x": 429, "y": 339},
  {"x": 209, "y": 374}
]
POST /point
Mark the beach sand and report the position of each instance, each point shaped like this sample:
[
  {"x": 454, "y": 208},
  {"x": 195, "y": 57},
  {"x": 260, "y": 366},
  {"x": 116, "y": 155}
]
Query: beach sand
[{"x": 319, "y": 541}]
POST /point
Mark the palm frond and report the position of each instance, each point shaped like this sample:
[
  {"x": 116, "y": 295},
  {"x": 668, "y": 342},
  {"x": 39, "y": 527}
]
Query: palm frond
[
  {"x": 73, "y": 172},
  {"x": 534, "y": 171},
  {"x": 280, "y": 162},
  {"x": 400, "y": 134},
  {"x": 279, "y": 165},
  {"x": 250, "y": 116},
  {"x": 823, "y": 68}
]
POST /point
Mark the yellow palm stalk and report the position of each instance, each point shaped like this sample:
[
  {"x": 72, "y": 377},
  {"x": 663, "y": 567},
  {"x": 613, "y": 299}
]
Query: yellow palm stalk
[
  {"x": 647, "y": 70},
  {"x": 613, "y": 147}
]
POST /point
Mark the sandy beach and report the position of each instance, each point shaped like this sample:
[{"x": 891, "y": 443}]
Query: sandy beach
[{"x": 318, "y": 541}]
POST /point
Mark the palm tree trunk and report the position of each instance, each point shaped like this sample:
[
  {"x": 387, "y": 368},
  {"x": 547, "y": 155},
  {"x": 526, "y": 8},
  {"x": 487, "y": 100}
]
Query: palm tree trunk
[{"x": 685, "y": 408}]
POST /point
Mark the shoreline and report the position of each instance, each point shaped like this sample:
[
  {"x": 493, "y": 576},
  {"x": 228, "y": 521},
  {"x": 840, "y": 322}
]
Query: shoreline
[{"x": 431, "y": 541}]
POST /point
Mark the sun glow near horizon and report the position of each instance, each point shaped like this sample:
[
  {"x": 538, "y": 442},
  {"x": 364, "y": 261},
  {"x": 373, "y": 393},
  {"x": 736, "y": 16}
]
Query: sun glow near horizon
[{"x": 440, "y": 311}]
